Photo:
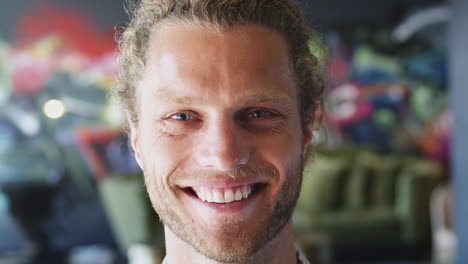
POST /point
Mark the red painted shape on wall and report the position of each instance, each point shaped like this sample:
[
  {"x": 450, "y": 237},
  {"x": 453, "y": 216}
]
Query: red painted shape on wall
[{"x": 75, "y": 29}]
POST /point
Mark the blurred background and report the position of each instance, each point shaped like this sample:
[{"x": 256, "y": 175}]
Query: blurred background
[{"x": 386, "y": 184}]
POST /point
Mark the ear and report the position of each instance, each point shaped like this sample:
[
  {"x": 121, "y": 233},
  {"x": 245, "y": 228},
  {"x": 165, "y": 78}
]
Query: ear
[
  {"x": 308, "y": 129},
  {"x": 134, "y": 137},
  {"x": 307, "y": 136}
]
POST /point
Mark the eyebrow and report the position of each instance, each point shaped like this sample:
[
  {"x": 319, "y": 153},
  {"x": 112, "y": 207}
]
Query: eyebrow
[
  {"x": 253, "y": 99},
  {"x": 265, "y": 98},
  {"x": 182, "y": 100}
]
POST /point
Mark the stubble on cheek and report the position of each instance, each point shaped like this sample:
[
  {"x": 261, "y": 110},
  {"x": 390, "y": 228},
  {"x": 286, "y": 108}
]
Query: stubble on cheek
[
  {"x": 160, "y": 195},
  {"x": 161, "y": 185}
]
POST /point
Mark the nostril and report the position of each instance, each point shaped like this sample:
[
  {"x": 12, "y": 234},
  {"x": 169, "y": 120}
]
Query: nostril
[
  {"x": 241, "y": 161},
  {"x": 223, "y": 156}
]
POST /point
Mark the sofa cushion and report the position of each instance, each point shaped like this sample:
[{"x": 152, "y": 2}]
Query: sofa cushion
[
  {"x": 358, "y": 185},
  {"x": 322, "y": 182},
  {"x": 363, "y": 225},
  {"x": 383, "y": 182}
]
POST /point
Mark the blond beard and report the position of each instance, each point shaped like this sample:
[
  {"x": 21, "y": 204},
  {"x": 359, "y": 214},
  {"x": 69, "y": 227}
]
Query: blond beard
[{"x": 274, "y": 219}]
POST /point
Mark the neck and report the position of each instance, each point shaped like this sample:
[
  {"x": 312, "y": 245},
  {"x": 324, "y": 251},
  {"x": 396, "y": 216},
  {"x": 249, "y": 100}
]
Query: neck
[{"x": 278, "y": 251}]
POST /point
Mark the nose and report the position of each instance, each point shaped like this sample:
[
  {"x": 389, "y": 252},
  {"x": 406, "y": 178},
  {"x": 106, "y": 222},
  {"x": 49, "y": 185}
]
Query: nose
[{"x": 223, "y": 146}]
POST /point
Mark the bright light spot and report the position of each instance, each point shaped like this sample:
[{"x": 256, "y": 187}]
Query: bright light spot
[{"x": 54, "y": 109}]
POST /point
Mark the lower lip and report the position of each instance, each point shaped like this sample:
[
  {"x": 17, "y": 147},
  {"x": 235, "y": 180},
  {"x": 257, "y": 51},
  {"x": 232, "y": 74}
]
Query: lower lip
[{"x": 232, "y": 207}]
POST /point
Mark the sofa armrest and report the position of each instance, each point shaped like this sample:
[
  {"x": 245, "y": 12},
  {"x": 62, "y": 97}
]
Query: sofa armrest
[
  {"x": 129, "y": 211},
  {"x": 414, "y": 186}
]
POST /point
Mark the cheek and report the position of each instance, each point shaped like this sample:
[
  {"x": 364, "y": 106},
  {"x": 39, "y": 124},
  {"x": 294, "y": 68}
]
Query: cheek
[
  {"x": 283, "y": 149},
  {"x": 162, "y": 153}
]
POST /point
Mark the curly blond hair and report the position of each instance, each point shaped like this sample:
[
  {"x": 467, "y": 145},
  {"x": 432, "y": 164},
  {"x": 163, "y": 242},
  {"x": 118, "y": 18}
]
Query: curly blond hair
[{"x": 280, "y": 15}]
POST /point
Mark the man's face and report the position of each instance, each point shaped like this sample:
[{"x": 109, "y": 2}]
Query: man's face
[{"x": 219, "y": 136}]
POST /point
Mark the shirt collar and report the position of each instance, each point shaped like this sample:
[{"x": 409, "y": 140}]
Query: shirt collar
[{"x": 301, "y": 259}]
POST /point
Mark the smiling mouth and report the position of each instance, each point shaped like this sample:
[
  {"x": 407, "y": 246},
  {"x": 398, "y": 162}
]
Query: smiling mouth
[{"x": 224, "y": 195}]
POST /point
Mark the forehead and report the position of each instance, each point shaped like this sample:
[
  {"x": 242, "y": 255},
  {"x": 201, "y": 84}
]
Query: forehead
[{"x": 201, "y": 61}]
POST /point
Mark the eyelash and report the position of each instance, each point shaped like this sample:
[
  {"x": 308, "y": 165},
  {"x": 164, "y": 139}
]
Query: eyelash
[
  {"x": 187, "y": 115},
  {"x": 185, "y": 122},
  {"x": 269, "y": 114},
  {"x": 250, "y": 115},
  {"x": 191, "y": 116}
]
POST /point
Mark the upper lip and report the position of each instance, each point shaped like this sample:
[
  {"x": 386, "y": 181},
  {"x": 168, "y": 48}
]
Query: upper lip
[{"x": 221, "y": 182}]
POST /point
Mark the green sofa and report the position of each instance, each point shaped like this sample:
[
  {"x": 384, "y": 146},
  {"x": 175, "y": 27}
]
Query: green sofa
[
  {"x": 354, "y": 198},
  {"x": 129, "y": 210}
]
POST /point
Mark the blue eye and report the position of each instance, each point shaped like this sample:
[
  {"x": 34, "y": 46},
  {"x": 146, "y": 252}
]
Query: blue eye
[
  {"x": 261, "y": 114},
  {"x": 182, "y": 123},
  {"x": 181, "y": 117}
]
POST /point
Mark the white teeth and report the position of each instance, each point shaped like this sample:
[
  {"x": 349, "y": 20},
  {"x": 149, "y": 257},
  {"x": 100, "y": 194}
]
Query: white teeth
[
  {"x": 209, "y": 197},
  {"x": 218, "y": 197},
  {"x": 223, "y": 196},
  {"x": 229, "y": 196},
  {"x": 245, "y": 191},
  {"x": 238, "y": 195},
  {"x": 202, "y": 195}
]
